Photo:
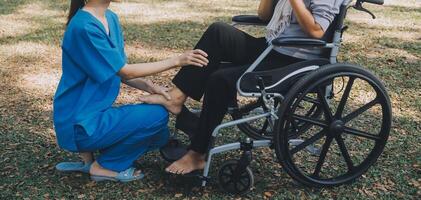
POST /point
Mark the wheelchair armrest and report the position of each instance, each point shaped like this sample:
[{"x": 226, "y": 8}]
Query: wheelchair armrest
[
  {"x": 249, "y": 20},
  {"x": 300, "y": 42}
]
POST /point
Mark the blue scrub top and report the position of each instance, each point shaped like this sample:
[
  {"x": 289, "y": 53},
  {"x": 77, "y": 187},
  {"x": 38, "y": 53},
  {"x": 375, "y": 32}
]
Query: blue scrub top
[{"x": 89, "y": 84}]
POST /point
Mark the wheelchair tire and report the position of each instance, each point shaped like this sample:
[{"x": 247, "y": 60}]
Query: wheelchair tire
[
  {"x": 235, "y": 185},
  {"x": 262, "y": 131},
  {"x": 351, "y": 137}
]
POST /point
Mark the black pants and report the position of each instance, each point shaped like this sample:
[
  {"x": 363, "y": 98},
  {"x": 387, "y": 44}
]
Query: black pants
[{"x": 217, "y": 84}]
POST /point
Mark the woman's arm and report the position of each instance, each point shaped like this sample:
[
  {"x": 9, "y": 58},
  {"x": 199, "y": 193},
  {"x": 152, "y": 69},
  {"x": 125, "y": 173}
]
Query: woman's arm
[
  {"x": 147, "y": 86},
  {"x": 306, "y": 19},
  {"x": 195, "y": 57},
  {"x": 265, "y": 10},
  {"x": 138, "y": 83}
]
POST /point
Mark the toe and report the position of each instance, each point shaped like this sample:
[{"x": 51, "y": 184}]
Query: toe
[
  {"x": 170, "y": 169},
  {"x": 179, "y": 171}
]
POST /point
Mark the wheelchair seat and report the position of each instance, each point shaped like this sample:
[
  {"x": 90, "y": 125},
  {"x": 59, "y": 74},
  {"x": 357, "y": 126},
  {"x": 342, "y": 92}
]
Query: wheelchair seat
[{"x": 278, "y": 80}]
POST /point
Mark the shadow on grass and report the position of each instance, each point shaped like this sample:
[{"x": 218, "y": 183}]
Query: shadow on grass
[
  {"x": 405, "y": 9},
  {"x": 172, "y": 34},
  {"x": 28, "y": 159},
  {"x": 10, "y": 6},
  {"x": 50, "y": 31},
  {"x": 358, "y": 27}
]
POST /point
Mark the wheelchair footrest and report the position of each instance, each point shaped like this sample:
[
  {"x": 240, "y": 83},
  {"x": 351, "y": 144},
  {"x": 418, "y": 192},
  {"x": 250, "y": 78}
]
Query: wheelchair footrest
[{"x": 173, "y": 151}]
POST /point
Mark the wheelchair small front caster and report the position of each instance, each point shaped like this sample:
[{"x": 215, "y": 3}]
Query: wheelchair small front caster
[{"x": 235, "y": 182}]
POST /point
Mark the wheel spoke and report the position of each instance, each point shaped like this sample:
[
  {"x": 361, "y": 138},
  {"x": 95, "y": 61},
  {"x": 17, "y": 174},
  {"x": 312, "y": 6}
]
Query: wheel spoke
[
  {"x": 325, "y": 105},
  {"x": 361, "y": 134},
  {"x": 227, "y": 174},
  {"x": 322, "y": 156},
  {"x": 311, "y": 140},
  {"x": 265, "y": 126},
  {"x": 310, "y": 120},
  {"x": 360, "y": 110},
  {"x": 244, "y": 176},
  {"x": 311, "y": 100},
  {"x": 344, "y": 98},
  {"x": 294, "y": 125},
  {"x": 237, "y": 187},
  {"x": 311, "y": 110},
  {"x": 344, "y": 152},
  {"x": 229, "y": 182},
  {"x": 232, "y": 167},
  {"x": 242, "y": 184}
]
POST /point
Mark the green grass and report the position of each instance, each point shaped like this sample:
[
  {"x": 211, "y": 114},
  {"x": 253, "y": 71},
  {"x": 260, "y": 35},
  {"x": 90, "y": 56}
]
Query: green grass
[{"x": 30, "y": 60}]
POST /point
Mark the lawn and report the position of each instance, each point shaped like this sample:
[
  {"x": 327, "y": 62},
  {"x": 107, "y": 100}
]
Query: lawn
[{"x": 30, "y": 68}]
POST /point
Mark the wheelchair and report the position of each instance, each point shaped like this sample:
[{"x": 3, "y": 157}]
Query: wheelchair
[{"x": 328, "y": 122}]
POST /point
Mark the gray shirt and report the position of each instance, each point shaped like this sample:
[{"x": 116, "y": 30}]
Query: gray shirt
[{"x": 324, "y": 12}]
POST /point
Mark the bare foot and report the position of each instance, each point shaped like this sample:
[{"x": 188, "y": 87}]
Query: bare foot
[
  {"x": 97, "y": 170},
  {"x": 174, "y": 105},
  {"x": 190, "y": 162}
]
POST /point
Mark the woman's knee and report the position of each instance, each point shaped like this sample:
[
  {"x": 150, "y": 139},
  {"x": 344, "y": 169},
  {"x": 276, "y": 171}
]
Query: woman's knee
[
  {"x": 218, "y": 27},
  {"x": 161, "y": 113},
  {"x": 158, "y": 115}
]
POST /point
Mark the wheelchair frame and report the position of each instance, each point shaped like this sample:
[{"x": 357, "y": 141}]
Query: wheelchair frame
[{"x": 269, "y": 98}]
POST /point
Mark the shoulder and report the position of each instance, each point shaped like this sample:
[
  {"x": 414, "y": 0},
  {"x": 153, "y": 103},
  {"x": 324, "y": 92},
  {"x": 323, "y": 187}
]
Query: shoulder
[
  {"x": 82, "y": 25},
  {"x": 113, "y": 15},
  {"x": 80, "y": 30}
]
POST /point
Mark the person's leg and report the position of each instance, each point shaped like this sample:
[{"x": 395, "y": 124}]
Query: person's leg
[
  {"x": 220, "y": 93},
  {"x": 135, "y": 130},
  {"x": 222, "y": 42},
  {"x": 122, "y": 155},
  {"x": 87, "y": 157}
]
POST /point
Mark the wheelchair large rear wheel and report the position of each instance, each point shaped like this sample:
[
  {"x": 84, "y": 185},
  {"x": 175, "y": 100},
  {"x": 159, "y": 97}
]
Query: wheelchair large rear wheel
[
  {"x": 350, "y": 134},
  {"x": 262, "y": 129}
]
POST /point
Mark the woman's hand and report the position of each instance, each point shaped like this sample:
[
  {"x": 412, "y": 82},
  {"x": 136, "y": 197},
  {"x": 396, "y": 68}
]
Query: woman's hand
[
  {"x": 195, "y": 57},
  {"x": 147, "y": 86},
  {"x": 157, "y": 89}
]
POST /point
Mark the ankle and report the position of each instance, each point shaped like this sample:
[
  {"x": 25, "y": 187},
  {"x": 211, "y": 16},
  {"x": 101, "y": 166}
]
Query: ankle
[
  {"x": 97, "y": 169},
  {"x": 87, "y": 157},
  {"x": 196, "y": 155},
  {"x": 178, "y": 95}
]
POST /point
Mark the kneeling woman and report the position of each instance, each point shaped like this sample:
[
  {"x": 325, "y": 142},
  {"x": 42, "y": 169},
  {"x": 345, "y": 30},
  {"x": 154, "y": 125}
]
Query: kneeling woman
[{"x": 94, "y": 64}]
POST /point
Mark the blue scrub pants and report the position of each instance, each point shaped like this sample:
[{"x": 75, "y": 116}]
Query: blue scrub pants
[{"x": 142, "y": 129}]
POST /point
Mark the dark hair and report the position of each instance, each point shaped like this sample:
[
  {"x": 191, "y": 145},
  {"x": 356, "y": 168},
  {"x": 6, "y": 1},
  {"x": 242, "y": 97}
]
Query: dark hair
[{"x": 75, "y": 5}]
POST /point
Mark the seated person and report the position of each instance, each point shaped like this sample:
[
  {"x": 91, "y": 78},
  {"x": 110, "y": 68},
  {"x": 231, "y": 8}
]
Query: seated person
[
  {"x": 94, "y": 65},
  {"x": 222, "y": 42}
]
